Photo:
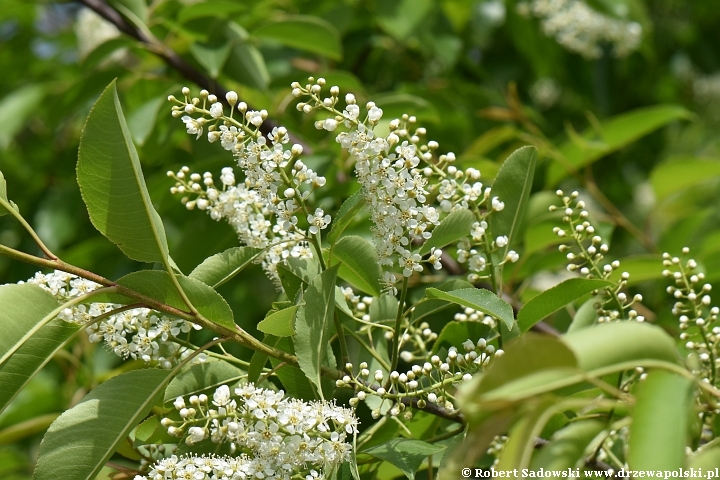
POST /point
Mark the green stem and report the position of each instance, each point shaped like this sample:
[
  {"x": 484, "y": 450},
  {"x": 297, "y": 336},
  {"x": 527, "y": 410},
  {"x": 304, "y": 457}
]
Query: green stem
[
  {"x": 343, "y": 343},
  {"x": 29, "y": 229},
  {"x": 398, "y": 323}
]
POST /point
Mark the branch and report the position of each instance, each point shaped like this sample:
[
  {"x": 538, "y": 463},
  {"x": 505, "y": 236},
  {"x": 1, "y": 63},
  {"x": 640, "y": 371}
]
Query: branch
[{"x": 173, "y": 60}]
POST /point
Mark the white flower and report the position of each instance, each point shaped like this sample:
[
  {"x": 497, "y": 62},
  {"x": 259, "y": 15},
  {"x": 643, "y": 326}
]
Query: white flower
[
  {"x": 329, "y": 124},
  {"x": 497, "y": 205},
  {"x": 318, "y": 221},
  {"x": 375, "y": 114},
  {"x": 501, "y": 241},
  {"x": 216, "y": 110},
  {"x": 192, "y": 126}
]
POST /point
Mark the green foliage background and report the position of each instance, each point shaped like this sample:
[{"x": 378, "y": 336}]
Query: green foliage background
[{"x": 466, "y": 75}]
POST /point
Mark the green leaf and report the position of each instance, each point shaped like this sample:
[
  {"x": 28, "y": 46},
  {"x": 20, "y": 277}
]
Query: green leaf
[
  {"x": 202, "y": 377},
  {"x": 568, "y": 446},
  {"x": 3, "y": 195},
  {"x": 707, "y": 457},
  {"x": 245, "y": 63},
  {"x": 491, "y": 139},
  {"x": 640, "y": 267},
  {"x": 512, "y": 186},
  {"x": 291, "y": 283},
  {"x": 350, "y": 207},
  {"x": 212, "y": 55},
  {"x": 280, "y": 323},
  {"x": 585, "y": 316},
  {"x": 25, "y": 308},
  {"x": 314, "y": 325},
  {"x": 112, "y": 184},
  {"x": 216, "y": 8},
  {"x": 518, "y": 450},
  {"x": 142, "y": 121},
  {"x": 405, "y": 454},
  {"x": 611, "y": 344},
  {"x": 293, "y": 379},
  {"x": 32, "y": 356},
  {"x": 681, "y": 173},
  {"x": 81, "y": 440},
  {"x": 359, "y": 264},
  {"x": 452, "y": 228},
  {"x": 15, "y": 108},
  {"x": 555, "y": 298},
  {"x": 157, "y": 285},
  {"x": 479, "y": 299},
  {"x": 615, "y": 133},
  {"x": 400, "y": 18},
  {"x": 659, "y": 428},
  {"x": 311, "y": 34},
  {"x": 455, "y": 333},
  {"x": 222, "y": 267}
]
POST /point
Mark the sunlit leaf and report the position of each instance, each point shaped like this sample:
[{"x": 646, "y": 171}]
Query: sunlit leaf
[
  {"x": 451, "y": 229},
  {"x": 311, "y": 34},
  {"x": 659, "y": 428},
  {"x": 83, "y": 438},
  {"x": 555, "y": 298},
  {"x": 680, "y": 173},
  {"x": 222, "y": 267},
  {"x": 350, "y": 207},
  {"x": 479, "y": 299},
  {"x": 359, "y": 264},
  {"x": 202, "y": 377},
  {"x": 113, "y": 186},
  {"x": 404, "y": 453}
]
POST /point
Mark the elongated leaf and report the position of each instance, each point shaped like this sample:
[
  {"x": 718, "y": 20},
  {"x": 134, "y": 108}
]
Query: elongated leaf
[
  {"x": 216, "y": 8},
  {"x": 314, "y": 325},
  {"x": 293, "y": 379},
  {"x": 202, "y": 377},
  {"x": 350, "y": 207},
  {"x": 404, "y": 453},
  {"x": 585, "y": 316},
  {"x": 453, "y": 227},
  {"x": 15, "y": 108},
  {"x": 608, "y": 344},
  {"x": 112, "y": 184},
  {"x": 25, "y": 308},
  {"x": 359, "y": 264},
  {"x": 142, "y": 121},
  {"x": 280, "y": 323},
  {"x": 568, "y": 445},
  {"x": 3, "y": 194},
  {"x": 640, "y": 267},
  {"x": 311, "y": 34},
  {"x": 482, "y": 300},
  {"x": 616, "y": 133},
  {"x": 157, "y": 284},
  {"x": 222, "y": 267},
  {"x": 427, "y": 307},
  {"x": 455, "y": 333},
  {"x": 707, "y": 457},
  {"x": 245, "y": 63},
  {"x": 555, "y": 298},
  {"x": 211, "y": 55},
  {"x": 680, "y": 173},
  {"x": 81, "y": 440},
  {"x": 659, "y": 428},
  {"x": 32, "y": 356},
  {"x": 512, "y": 186},
  {"x": 518, "y": 450}
]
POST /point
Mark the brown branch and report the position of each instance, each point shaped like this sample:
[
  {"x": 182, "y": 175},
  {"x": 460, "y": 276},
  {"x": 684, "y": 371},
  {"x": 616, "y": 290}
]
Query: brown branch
[{"x": 173, "y": 60}]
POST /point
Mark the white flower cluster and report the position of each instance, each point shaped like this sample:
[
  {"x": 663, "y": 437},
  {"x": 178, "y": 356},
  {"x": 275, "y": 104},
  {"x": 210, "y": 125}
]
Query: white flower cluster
[
  {"x": 277, "y": 436},
  {"x": 586, "y": 258},
  {"x": 579, "y": 28},
  {"x": 698, "y": 319},
  {"x": 399, "y": 174},
  {"x": 265, "y": 207},
  {"x": 427, "y": 383},
  {"x": 138, "y": 333},
  {"x": 472, "y": 315}
]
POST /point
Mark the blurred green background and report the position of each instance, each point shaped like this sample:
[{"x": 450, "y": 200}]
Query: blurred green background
[{"x": 481, "y": 77}]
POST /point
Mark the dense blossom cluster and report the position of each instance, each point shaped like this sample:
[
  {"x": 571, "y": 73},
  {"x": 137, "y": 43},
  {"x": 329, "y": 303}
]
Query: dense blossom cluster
[
  {"x": 276, "y": 437},
  {"x": 579, "y": 28},
  {"x": 269, "y": 205},
  {"x": 586, "y": 254},
  {"x": 138, "y": 333}
]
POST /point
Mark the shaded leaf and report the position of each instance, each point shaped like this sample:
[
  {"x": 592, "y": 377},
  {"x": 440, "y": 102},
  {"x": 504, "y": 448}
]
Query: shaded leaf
[
  {"x": 568, "y": 446},
  {"x": 311, "y": 34},
  {"x": 640, "y": 267},
  {"x": 659, "y": 428},
  {"x": 452, "y": 228},
  {"x": 616, "y": 133},
  {"x": 280, "y": 323},
  {"x": 112, "y": 184},
  {"x": 406, "y": 454},
  {"x": 82, "y": 439},
  {"x": 15, "y": 108},
  {"x": 245, "y": 63},
  {"x": 141, "y": 122},
  {"x": 555, "y": 298},
  {"x": 202, "y": 377},
  {"x": 512, "y": 185},
  {"x": 681, "y": 173},
  {"x": 479, "y": 299},
  {"x": 222, "y": 267},
  {"x": 211, "y": 55}
]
